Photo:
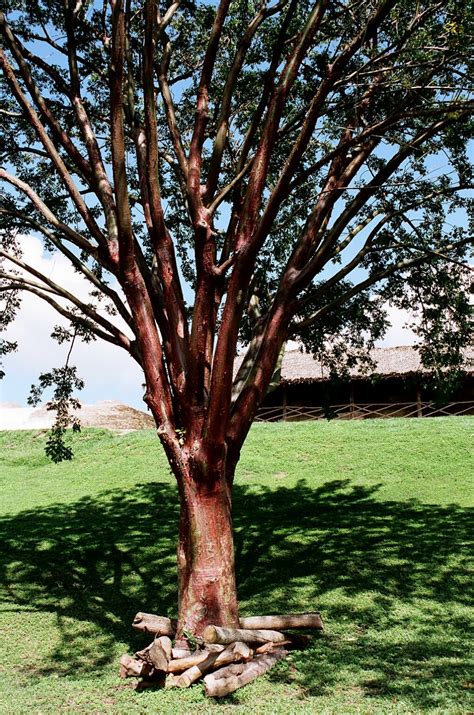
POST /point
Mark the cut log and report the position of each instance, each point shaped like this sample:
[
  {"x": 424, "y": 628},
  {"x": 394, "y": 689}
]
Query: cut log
[
  {"x": 233, "y": 669},
  {"x": 215, "y": 634},
  {"x": 143, "y": 654},
  {"x": 234, "y": 652},
  {"x": 227, "y": 680},
  {"x": 132, "y": 668},
  {"x": 157, "y": 656},
  {"x": 191, "y": 674},
  {"x": 266, "y": 647},
  {"x": 180, "y": 664},
  {"x": 149, "y": 623},
  {"x": 301, "y": 620},
  {"x": 180, "y": 653},
  {"x": 158, "y": 653},
  {"x": 167, "y": 645},
  {"x": 242, "y": 651}
]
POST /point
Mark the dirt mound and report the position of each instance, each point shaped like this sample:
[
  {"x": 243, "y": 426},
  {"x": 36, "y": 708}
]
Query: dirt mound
[
  {"x": 106, "y": 414},
  {"x": 115, "y": 416}
]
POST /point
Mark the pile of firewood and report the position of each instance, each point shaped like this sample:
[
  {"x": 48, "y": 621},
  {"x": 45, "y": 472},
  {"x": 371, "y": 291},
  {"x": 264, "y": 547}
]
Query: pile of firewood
[{"x": 226, "y": 658}]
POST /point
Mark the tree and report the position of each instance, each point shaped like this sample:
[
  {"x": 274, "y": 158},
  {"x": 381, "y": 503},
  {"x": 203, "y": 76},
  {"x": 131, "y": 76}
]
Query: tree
[{"x": 297, "y": 165}]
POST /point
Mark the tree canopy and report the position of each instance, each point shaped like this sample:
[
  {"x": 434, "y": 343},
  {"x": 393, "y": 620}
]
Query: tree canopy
[
  {"x": 323, "y": 162},
  {"x": 234, "y": 174}
]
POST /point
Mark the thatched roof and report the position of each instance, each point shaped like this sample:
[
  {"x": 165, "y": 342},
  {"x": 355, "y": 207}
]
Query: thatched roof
[{"x": 400, "y": 361}]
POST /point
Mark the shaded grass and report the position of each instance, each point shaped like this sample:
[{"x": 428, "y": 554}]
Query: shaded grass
[{"x": 369, "y": 522}]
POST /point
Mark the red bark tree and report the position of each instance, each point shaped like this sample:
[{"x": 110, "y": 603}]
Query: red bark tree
[{"x": 282, "y": 149}]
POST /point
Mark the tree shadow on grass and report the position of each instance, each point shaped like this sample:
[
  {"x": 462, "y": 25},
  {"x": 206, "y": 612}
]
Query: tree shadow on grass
[
  {"x": 93, "y": 564},
  {"x": 390, "y": 577}
]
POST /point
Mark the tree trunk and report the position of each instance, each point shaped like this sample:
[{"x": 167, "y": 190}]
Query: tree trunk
[{"x": 207, "y": 588}]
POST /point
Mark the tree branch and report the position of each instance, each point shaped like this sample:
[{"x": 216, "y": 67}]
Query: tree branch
[
  {"x": 18, "y": 51},
  {"x": 86, "y": 309},
  {"x": 169, "y": 107},
  {"x": 364, "y": 194},
  {"x": 221, "y": 383},
  {"x": 18, "y": 284},
  {"x": 333, "y": 72},
  {"x": 222, "y": 129},
  {"x": 268, "y": 87},
  {"x": 162, "y": 243},
  {"x": 78, "y": 264},
  {"x": 226, "y": 190},
  {"x": 99, "y": 174},
  {"x": 76, "y": 238},
  {"x": 197, "y": 141},
  {"x": 56, "y": 159},
  {"x": 158, "y": 394},
  {"x": 400, "y": 266}
]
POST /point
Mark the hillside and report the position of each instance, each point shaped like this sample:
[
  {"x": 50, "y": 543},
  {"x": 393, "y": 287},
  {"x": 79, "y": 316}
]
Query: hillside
[{"x": 108, "y": 414}]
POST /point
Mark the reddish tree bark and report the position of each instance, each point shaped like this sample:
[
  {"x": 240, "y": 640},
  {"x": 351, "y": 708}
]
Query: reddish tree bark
[{"x": 206, "y": 573}]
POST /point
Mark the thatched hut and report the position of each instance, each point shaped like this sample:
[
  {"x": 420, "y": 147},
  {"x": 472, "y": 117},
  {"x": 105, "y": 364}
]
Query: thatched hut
[{"x": 398, "y": 386}]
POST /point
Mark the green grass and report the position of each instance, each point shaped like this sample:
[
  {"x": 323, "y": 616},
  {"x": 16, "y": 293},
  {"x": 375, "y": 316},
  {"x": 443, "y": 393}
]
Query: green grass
[{"x": 368, "y": 522}]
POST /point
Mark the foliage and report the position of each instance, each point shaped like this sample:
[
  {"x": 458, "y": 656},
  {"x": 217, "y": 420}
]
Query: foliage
[{"x": 65, "y": 382}]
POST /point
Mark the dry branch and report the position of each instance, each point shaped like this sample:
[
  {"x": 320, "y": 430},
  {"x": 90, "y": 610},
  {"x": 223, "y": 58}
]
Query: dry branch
[
  {"x": 302, "y": 620},
  {"x": 149, "y": 623},
  {"x": 232, "y": 677},
  {"x": 216, "y": 634}
]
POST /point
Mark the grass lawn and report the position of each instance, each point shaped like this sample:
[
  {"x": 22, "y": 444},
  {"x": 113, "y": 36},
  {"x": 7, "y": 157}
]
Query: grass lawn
[{"x": 368, "y": 522}]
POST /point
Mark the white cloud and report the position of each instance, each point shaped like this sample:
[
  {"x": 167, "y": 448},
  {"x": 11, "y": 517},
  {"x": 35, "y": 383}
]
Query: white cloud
[
  {"x": 398, "y": 333},
  {"x": 109, "y": 372}
]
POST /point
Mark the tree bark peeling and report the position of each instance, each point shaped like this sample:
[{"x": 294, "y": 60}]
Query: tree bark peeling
[{"x": 207, "y": 588}]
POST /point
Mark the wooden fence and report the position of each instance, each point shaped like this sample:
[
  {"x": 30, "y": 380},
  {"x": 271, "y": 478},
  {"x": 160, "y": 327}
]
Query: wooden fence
[{"x": 361, "y": 411}]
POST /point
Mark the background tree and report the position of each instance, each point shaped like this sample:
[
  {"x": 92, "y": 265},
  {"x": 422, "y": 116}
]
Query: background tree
[{"x": 297, "y": 165}]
